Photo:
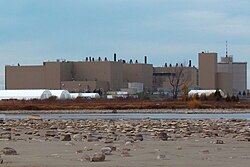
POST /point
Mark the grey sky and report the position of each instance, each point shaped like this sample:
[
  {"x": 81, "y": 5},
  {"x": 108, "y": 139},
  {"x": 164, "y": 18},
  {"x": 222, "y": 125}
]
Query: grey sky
[{"x": 165, "y": 30}]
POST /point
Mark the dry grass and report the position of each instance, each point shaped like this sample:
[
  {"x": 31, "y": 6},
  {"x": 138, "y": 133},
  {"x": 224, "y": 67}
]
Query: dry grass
[{"x": 99, "y": 104}]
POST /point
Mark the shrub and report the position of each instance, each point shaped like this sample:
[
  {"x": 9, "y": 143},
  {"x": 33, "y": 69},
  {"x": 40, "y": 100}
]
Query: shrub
[
  {"x": 194, "y": 104},
  {"x": 203, "y": 97},
  {"x": 228, "y": 98},
  {"x": 52, "y": 98}
]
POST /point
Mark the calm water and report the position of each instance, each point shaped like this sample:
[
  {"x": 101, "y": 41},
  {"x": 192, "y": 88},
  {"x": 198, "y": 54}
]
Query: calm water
[{"x": 129, "y": 116}]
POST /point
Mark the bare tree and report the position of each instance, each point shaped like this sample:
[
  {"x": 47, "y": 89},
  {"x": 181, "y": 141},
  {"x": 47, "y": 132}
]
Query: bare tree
[{"x": 177, "y": 79}]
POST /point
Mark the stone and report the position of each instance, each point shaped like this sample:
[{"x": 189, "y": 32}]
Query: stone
[
  {"x": 66, "y": 138},
  {"x": 79, "y": 151},
  {"x": 128, "y": 143},
  {"x": 5, "y": 136},
  {"x": 162, "y": 157},
  {"x": 98, "y": 157},
  {"x": 51, "y": 133},
  {"x": 138, "y": 137},
  {"x": 219, "y": 142},
  {"x": 163, "y": 136},
  {"x": 205, "y": 151},
  {"x": 125, "y": 153},
  {"x": 7, "y": 129},
  {"x": 113, "y": 148},
  {"x": 87, "y": 148},
  {"x": 77, "y": 137},
  {"x": 85, "y": 158},
  {"x": 106, "y": 150},
  {"x": 9, "y": 151},
  {"x": 179, "y": 148}
]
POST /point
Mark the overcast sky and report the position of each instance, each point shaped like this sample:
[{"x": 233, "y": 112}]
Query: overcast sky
[{"x": 33, "y": 31}]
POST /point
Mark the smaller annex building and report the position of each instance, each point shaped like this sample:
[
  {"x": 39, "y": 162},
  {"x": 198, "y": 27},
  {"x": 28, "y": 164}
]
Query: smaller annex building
[
  {"x": 85, "y": 95},
  {"x": 26, "y": 94}
]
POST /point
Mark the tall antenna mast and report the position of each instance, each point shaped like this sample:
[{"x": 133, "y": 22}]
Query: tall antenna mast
[{"x": 226, "y": 50}]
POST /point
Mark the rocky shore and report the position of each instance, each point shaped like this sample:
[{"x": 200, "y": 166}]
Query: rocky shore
[{"x": 37, "y": 142}]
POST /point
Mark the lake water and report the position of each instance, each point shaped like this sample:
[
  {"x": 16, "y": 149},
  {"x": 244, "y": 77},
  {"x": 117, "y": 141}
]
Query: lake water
[{"x": 129, "y": 116}]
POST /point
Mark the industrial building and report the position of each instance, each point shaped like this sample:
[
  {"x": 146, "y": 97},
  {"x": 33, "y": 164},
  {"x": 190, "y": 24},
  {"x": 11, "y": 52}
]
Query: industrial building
[
  {"x": 133, "y": 77},
  {"x": 82, "y": 76},
  {"x": 229, "y": 76}
]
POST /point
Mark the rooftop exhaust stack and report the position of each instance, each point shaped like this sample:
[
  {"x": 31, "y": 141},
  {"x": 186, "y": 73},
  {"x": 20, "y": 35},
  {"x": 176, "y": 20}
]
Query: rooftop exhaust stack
[
  {"x": 190, "y": 63},
  {"x": 131, "y": 61},
  {"x": 114, "y": 56},
  {"x": 145, "y": 59}
]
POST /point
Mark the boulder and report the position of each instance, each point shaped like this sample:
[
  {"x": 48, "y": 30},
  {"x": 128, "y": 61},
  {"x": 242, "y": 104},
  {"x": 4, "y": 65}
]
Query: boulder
[
  {"x": 162, "y": 157},
  {"x": 77, "y": 137},
  {"x": 51, "y": 133},
  {"x": 97, "y": 157},
  {"x": 138, "y": 137},
  {"x": 5, "y": 136},
  {"x": 66, "y": 138},
  {"x": 85, "y": 158},
  {"x": 218, "y": 142},
  {"x": 1, "y": 160},
  {"x": 9, "y": 151},
  {"x": 106, "y": 150},
  {"x": 163, "y": 136}
]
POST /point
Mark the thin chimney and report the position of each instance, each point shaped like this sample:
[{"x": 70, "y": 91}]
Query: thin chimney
[
  {"x": 114, "y": 56},
  {"x": 190, "y": 64}
]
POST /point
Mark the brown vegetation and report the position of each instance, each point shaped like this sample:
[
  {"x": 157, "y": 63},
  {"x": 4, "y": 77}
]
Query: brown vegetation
[{"x": 117, "y": 104}]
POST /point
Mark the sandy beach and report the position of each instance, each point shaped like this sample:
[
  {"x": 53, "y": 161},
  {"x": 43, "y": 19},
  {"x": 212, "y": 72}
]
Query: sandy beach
[{"x": 146, "y": 142}]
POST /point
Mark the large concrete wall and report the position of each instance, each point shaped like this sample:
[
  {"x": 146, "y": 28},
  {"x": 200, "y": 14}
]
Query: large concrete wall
[
  {"x": 239, "y": 77},
  {"x": 142, "y": 73},
  {"x": 24, "y": 77},
  {"x": 110, "y": 72},
  {"x": 66, "y": 70},
  {"x": 84, "y": 86},
  {"x": 238, "y": 74},
  {"x": 52, "y": 75},
  {"x": 224, "y": 82},
  {"x": 207, "y": 70}
]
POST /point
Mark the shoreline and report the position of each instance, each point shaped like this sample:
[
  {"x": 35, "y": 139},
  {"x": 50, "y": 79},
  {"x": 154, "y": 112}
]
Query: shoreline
[
  {"x": 131, "y": 111},
  {"x": 125, "y": 143}
]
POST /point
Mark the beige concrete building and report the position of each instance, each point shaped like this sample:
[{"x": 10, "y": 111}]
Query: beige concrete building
[
  {"x": 142, "y": 73},
  {"x": 235, "y": 75},
  {"x": 79, "y": 76},
  {"x": 115, "y": 75},
  {"x": 229, "y": 76},
  {"x": 207, "y": 70}
]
